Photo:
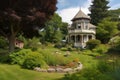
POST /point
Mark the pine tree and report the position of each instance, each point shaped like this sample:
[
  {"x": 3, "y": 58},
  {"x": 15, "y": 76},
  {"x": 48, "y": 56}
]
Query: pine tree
[{"x": 99, "y": 10}]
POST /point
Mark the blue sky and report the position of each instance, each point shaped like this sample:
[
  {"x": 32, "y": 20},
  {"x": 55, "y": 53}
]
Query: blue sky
[{"x": 68, "y": 8}]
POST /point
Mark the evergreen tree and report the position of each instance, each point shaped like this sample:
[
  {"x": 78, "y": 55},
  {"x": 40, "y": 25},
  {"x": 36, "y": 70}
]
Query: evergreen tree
[{"x": 99, "y": 10}]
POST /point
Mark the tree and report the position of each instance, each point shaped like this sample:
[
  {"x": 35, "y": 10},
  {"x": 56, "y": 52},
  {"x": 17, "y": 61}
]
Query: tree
[
  {"x": 106, "y": 30},
  {"x": 99, "y": 10},
  {"x": 55, "y": 30},
  {"x": 25, "y": 15}
]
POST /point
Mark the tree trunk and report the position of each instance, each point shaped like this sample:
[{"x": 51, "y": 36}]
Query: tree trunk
[{"x": 11, "y": 39}]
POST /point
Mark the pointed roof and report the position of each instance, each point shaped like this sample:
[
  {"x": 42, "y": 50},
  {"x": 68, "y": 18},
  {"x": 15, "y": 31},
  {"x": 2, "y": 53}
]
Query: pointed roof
[{"x": 80, "y": 15}]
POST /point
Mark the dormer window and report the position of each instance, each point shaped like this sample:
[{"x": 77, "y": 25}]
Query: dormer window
[{"x": 79, "y": 26}]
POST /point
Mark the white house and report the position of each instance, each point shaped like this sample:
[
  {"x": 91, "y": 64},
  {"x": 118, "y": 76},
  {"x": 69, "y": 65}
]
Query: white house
[{"x": 81, "y": 30}]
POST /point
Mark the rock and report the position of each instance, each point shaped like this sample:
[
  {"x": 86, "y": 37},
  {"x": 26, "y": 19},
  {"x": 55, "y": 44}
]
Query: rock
[
  {"x": 78, "y": 68},
  {"x": 68, "y": 70},
  {"x": 51, "y": 70},
  {"x": 37, "y": 69},
  {"x": 43, "y": 70},
  {"x": 59, "y": 70}
]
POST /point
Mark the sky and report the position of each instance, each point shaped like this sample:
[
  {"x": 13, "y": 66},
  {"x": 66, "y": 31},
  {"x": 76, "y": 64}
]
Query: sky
[{"x": 67, "y": 9}]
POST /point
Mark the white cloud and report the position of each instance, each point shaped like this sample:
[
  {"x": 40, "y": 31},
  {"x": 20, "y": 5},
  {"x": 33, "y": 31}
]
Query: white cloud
[
  {"x": 116, "y": 6},
  {"x": 68, "y": 13}
]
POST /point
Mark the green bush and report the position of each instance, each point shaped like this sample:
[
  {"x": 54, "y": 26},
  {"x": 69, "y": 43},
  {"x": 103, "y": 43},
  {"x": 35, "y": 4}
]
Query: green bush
[
  {"x": 34, "y": 60},
  {"x": 91, "y": 44},
  {"x": 33, "y": 43},
  {"x": 88, "y": 74},
  {"x": 101, "y": 49},
  {"x": 27, "y": 58},
  {"x": 20, "y": 56},
  {"x": 104, "y": 67},
  {"x": 54, "y": 58},
  {"x": 3, "y": 42},
  {"x": 5, "y": 58}
]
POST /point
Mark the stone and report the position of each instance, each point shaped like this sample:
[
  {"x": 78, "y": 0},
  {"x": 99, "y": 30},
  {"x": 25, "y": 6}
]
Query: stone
[
  {"x": 68, "y": 70},
  {"x": 59, "y": 69},
  {"x": 43, "y": 70},
  {"x": 37, "y": 69},
  {"x": 51, "y": 70}
]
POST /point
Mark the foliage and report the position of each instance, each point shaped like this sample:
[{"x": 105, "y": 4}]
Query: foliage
[
  {"x": 25, "y": 16},
  {"x": 115, "y": 43},
  {"x": 102, "y": 72},
  {"x": 27, "y": 59},
  {"x": 114, "y": 14},
  {"x": 33, "y": 43},
  {"x": 91, "y": 44},
  {"x": 101, "y": 49},
  {"x": 34, "y": 60},
  {"x": 99, "y": 11},
  {"x": 106, "y": 30},
  {"x": 104, "y": 67},
  {"x": 3, "y": 43},
  {"x": 54, "y": 58},
  {"x": 54, "y": 31},
  {"x": 4, "y": 58}
]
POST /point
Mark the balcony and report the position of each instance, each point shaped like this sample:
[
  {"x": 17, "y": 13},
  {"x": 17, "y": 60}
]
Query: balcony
[{"x": 81, "y": 31}]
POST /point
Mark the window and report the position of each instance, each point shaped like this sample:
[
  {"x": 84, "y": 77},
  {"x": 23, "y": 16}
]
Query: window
[{"x": 79, "y": 26}]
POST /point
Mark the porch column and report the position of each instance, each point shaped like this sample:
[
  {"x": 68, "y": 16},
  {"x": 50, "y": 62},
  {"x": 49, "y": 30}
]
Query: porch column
[
  {"x": 87, "y": 37},
  {"x": 75, "y": 38},
  {"x": 82, "y": 38}
]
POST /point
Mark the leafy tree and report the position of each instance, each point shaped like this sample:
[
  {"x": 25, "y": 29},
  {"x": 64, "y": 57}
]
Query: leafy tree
[
  {"x": 55, "y": 30},
  {"x": 106, "y": 30},
  {"x": 99, "y": 10},
  {"x": 91, "y": 44},
  {"x": 25, "y": 15},
  {"x": 115, "y": 14}
]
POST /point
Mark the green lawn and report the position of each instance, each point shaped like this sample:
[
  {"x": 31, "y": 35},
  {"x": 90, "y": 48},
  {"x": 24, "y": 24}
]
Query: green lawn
[{"x": 14, "y": 72}]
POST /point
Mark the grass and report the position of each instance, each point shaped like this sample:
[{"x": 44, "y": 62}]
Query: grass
[{"x": 14, "y": 72}]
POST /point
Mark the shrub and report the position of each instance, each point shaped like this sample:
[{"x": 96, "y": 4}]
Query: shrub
[
  {"x": 104, "y": 67},
  {"x": 58, "y": 45},
  {"x": 34, "y": 60},
  {"x": 91, "y": 74},
  {"x": 20, "y": 56},
  {"x": 27, "y": 59},
  {"x": 91, "y": 44},
  {"x": 5, "y": 58},
  {"x": 53, "y": 58},
  {"x": 3, "y": 42},
  {"x": 101, "y": 49},
  {"x": 33, "y": 43}
]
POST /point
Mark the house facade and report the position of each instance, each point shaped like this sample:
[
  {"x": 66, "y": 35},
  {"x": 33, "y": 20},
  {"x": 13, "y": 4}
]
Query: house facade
[{"x": 81, "y": 30}]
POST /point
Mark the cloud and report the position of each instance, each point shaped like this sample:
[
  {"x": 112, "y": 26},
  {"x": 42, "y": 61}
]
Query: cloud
[
  {"x": 116, "y": 6},
  {"x": 68, "y": 13},
  {"x": 62, "y": 2}
]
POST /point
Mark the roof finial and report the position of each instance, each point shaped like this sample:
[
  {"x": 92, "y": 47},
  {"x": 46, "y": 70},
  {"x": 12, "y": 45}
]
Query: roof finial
[{"x": 80, "y": 6}]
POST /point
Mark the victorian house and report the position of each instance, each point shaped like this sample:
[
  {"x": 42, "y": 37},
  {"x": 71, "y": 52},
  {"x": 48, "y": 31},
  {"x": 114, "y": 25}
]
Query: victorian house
[{"x": 81, "y": 30}]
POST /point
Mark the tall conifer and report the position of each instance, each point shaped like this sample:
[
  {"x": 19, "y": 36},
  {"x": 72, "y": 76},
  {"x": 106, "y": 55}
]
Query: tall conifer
[{"x": 99, "y": 10}]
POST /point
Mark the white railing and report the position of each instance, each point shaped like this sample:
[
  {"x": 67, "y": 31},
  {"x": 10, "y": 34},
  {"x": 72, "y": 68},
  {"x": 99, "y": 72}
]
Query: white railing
[
  {"x": 82, "y": 31},
  {"x": 78, "y": 44}
]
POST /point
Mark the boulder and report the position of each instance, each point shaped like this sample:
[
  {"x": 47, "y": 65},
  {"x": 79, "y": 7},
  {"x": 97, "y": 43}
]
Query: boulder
[
  {"x": 51, "y": 70},
  {"x": 59, "y": 69},
  {"x": 37, "y": 69},
  {"x": 68, "y": 70}
]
